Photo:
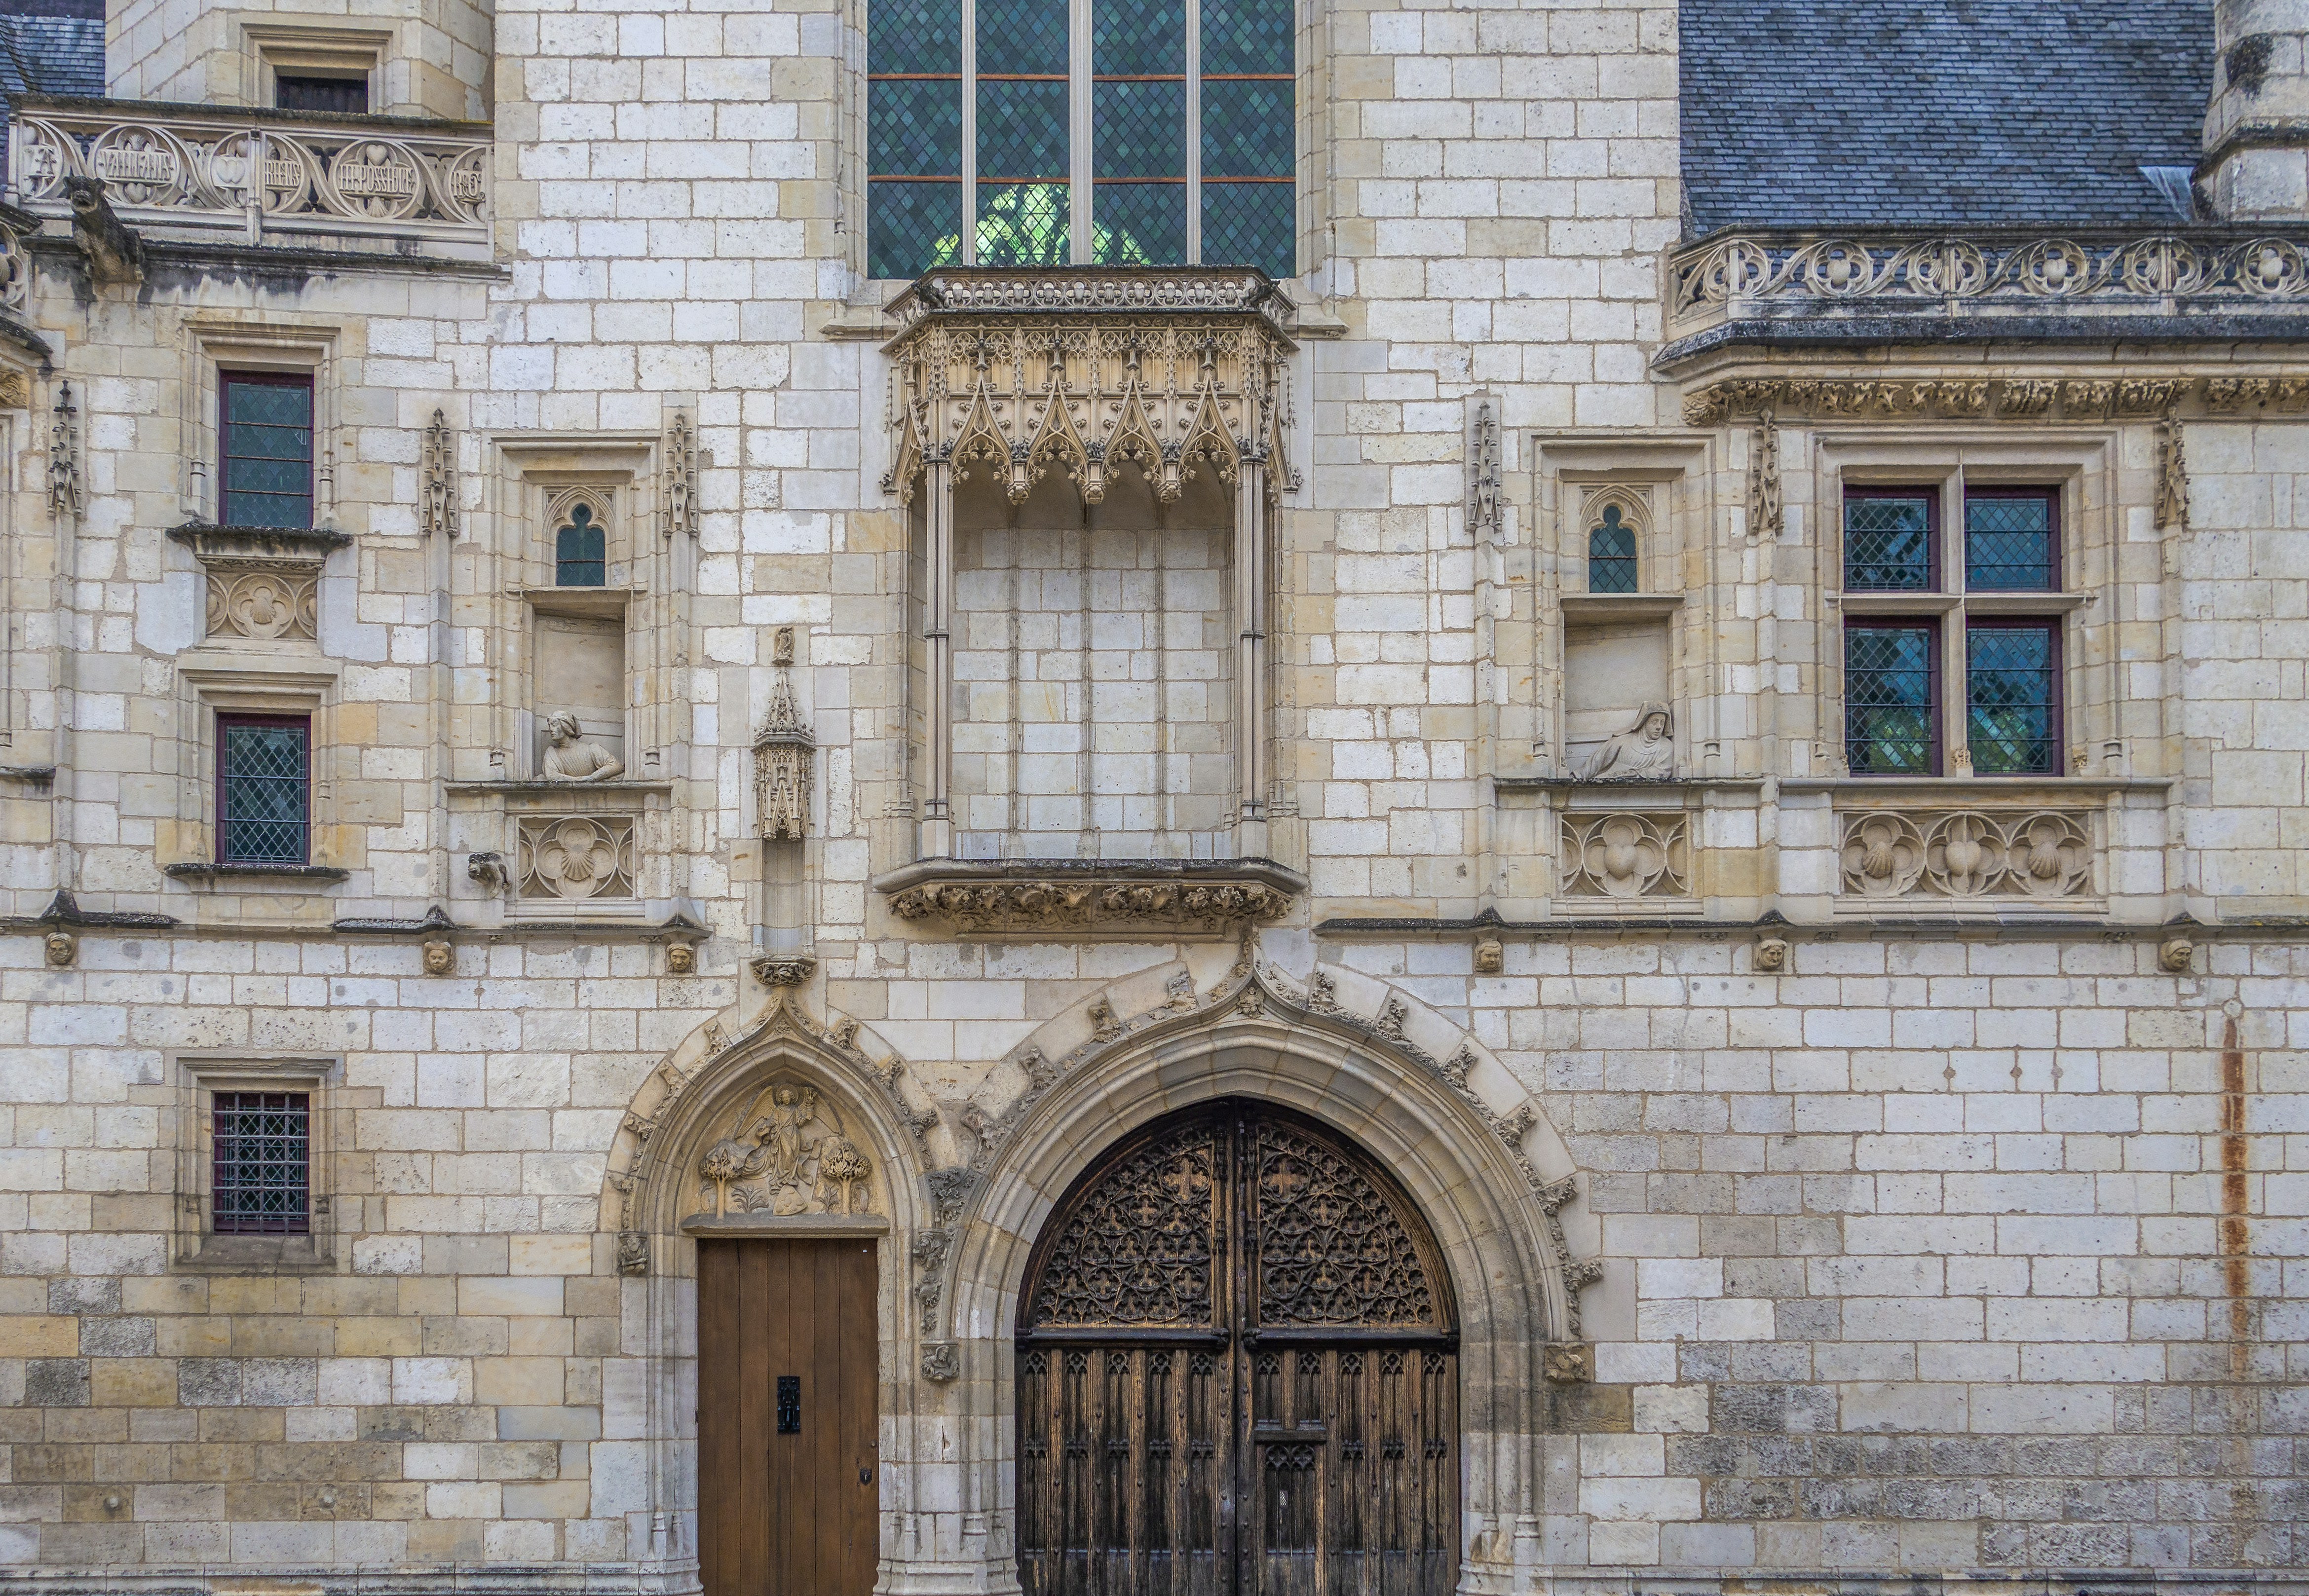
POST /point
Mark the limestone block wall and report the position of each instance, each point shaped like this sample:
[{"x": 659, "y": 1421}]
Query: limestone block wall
[{"x": 431, "y": 60}]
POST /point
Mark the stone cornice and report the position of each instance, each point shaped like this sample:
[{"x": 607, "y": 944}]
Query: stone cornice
[
  {"x": 1089, "y": 290},
  {"x": 277, "y": 544},
  {"x": 1808, "y": 289},
  {"x": 1995, "y": 398},
  {"x": 1040, "y": 899}
]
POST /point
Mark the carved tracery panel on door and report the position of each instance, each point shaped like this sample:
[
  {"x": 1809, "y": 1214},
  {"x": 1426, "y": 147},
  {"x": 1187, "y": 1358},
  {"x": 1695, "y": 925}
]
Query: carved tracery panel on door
[{"x": 1237, "y": 1373}]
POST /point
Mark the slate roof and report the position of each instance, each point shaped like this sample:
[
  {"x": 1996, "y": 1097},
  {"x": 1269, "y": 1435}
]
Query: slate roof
[
  {"x": 53, "y": 46},
  {"x": 1939, "y": 113}
]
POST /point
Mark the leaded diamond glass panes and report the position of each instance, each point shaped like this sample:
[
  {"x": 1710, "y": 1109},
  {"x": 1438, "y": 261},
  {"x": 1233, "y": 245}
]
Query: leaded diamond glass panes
[
  {"x": 2009, "y": 540},
  {"x": 580, "y": 551},
  {"x": 1888, "y": 541},
  {"x": 267, "y": 478},
  {"x": 264, "y": 784},
  {"x": 914, "y": 136},
  {"x": 263, "y": 1166},
  {"x": 1890, "y": 726},
  {"x": 2012, "y": 691},
  {"x": 1611, "y": 554},
  {"x": 1250, "y": 136},
  {"x": 1138, "y": 138},
  {"x": 1023, "y": 155}
]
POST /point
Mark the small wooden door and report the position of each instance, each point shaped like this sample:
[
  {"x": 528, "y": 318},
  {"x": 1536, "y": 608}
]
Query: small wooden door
[
  {"x": 788, "y": 1477},
  {"x": 1237, "y": 1373}
]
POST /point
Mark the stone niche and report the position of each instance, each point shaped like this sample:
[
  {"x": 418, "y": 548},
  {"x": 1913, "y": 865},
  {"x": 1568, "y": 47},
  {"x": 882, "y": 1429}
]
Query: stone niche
[
  {"x": 1093, "y": 671},
  {"x": 1614, "y": 663},
  {"x": 577, "y": 667}
]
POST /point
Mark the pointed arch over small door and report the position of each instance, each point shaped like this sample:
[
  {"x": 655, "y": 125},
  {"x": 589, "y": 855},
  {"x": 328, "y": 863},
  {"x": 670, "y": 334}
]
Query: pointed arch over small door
[{"x": 1237, "y": 1371}]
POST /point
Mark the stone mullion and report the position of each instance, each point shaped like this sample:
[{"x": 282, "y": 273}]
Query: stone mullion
[
  {"x": 937, "y": 837},
  {"x": 1251, "y": 531}
]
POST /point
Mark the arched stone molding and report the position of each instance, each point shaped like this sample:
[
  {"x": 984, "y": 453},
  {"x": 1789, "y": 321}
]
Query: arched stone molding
[
  {"x": 1468, "y": 1143},
  {"x": 703, "y": 1088}
]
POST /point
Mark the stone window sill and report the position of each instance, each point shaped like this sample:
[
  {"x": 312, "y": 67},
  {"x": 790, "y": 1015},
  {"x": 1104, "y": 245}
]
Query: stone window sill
[
  {"x": 201, "y": 871},
  {"x": 259, "y": 1254}
]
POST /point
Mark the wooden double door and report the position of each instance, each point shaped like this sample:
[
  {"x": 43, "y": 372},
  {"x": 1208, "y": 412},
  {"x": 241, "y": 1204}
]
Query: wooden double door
[
  {"x": 1237, "y": 1373},
  {"x": 787, "y": 1473}
]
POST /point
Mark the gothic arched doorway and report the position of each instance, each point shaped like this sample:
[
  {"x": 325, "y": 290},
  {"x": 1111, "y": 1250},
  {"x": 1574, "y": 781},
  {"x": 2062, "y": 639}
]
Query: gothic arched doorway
[{"x": 1237, "y": 1372}]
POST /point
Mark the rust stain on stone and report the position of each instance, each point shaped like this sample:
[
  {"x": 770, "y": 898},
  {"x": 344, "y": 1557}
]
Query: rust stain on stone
[{"x": 2234, "y": 1234}]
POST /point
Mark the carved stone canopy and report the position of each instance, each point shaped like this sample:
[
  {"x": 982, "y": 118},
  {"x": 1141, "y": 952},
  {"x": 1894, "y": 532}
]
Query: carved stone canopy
[
  {"x": 1018, "y": 372},
  {"x": 786, "y": 1152}
]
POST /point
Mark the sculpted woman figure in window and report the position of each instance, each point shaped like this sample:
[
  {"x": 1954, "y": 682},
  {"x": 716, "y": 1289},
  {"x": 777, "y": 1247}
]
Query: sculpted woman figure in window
[{"x": 1644, "y": 751}]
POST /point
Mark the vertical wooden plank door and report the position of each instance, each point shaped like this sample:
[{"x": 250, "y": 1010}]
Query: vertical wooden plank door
[{"x": 788, "y": 1477}]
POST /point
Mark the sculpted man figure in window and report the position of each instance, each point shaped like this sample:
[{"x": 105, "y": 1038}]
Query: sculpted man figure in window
[
  {"x": 572, "y": 757},
  {"x": 1644, "y": 751}
]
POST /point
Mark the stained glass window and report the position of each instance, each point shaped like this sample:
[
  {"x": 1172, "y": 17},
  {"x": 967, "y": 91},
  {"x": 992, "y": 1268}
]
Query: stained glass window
[
  {"x": 2011, "y": 678},
  {"x": 263, "y": 1162},
  {"x": 267, "y": 459},
  {"x": 1611, "y": 554},
  {"x": 914, "y": 135},
  {"x": 581, "y": 550},
  {"x": 1888, "y": 539},
  {"x": 1890, "y": 727},
  {"x": 2009, "y": 540},
  {"x": 1193, "y": 138},
  {"x": 263, "y": 782}
]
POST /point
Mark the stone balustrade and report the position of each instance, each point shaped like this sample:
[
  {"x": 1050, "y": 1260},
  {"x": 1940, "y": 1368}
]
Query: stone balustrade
[{"x": 266, "y": 176}]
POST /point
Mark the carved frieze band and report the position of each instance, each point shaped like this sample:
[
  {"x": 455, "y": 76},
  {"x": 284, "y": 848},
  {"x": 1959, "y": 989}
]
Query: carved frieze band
[
  {"x": 2038, "y": 854},
  {"x": 2067, "y": 272},
  {"x": 2096, "y": 399},
  {"x": 1625, "y": 856},
  {"x": 974, "y": 909}
]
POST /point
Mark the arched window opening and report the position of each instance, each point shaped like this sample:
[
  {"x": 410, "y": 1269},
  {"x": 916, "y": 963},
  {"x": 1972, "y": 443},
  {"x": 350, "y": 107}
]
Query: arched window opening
[
  {"x": 1611, "y": 554},
  {"x": 1191, "y": 116},
  {"x": 581, "y": 551}
]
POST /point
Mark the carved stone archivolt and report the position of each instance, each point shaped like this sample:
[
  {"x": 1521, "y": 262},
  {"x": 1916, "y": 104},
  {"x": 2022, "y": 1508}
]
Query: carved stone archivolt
[
  {"x": 786, "y": 1152},
  {"x": 1626, "y": 855},
  {"x": 1016, "y": 375},
  {"x": 577, "y": 857},
  {"x": 1959, "y": 854},
  {"x": 1253, "y": 989},
  {"x": 263, "y": 600}
]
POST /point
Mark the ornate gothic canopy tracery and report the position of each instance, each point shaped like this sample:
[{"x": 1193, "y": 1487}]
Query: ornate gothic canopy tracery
[{"x": 1018, "y": 372}]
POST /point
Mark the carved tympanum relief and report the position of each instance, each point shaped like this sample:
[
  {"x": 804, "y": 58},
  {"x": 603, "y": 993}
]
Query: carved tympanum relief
[
  {"x": 1625, "y": 856},
  {"x": 577, "y": 857},
  {"x": 782, "y": 754},
  {"x": 570, "y": 756},
  {"x": 1967, "y": 853},
  {"x": 787, "y": 1153},
  {"x": 262, "y": 601},
  {"x": 1644, "y": 752}
]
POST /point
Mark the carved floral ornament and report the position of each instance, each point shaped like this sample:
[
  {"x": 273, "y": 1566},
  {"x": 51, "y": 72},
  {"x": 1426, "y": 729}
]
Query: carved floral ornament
[
  {"x": 1625, "y": 856},
  {"x": 974, "y": 910},
  {"x": 996, "y": 381},
  {"x": 1967, "y": 853},
  {"x": 262, "y": 601},
  {"x": 1740, "y": 272},
  {"x": 2033, "y": 399},
  {"x": 577, "y": 857}
]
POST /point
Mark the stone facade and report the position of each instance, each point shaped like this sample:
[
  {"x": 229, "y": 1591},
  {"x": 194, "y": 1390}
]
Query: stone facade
[{"x": 1845, "y": 1178}]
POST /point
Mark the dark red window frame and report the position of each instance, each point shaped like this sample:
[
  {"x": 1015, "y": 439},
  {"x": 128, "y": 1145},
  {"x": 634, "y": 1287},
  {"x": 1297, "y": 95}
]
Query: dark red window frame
[
  {"x": 2056, "y": 670},
  {"x": 1935, "y": 685},
  {"x": 226, "y": 381},
  {"x": 225, "y": 853},
  {"x": 2051, "y": 497},
  {"x": 1928, "y": 491}
]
